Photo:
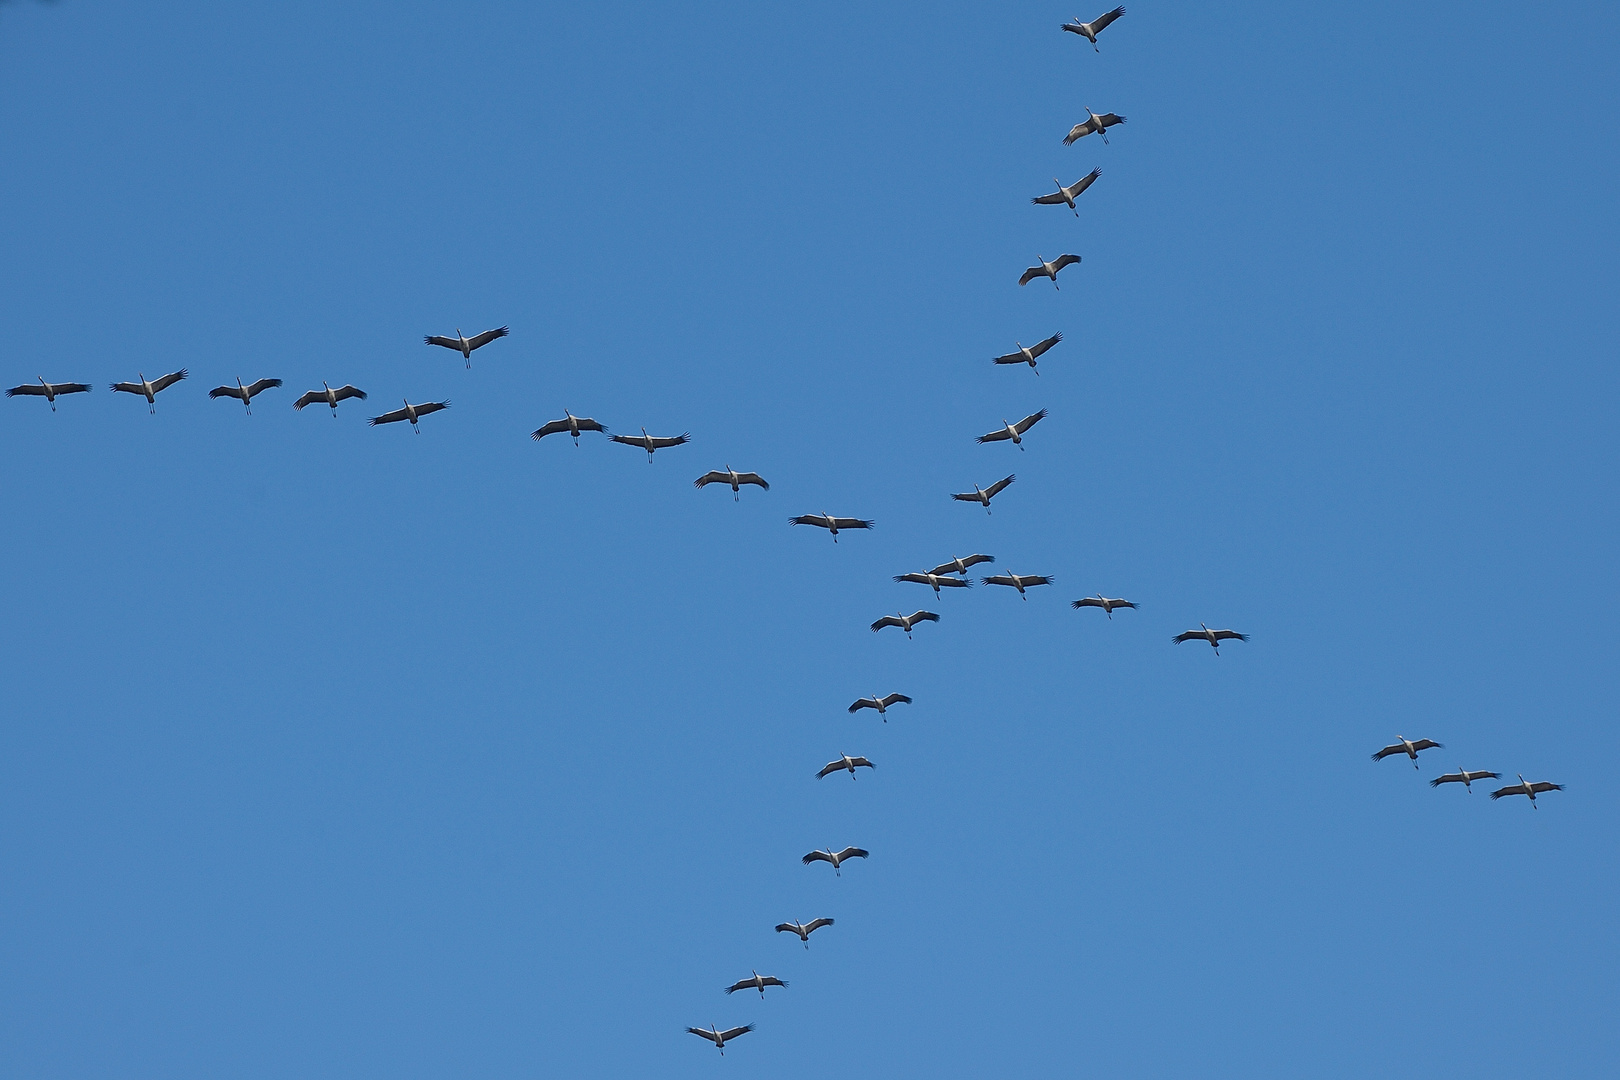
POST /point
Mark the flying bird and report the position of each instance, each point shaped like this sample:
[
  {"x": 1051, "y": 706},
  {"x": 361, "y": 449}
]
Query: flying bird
[
  {"x": 836, "y": 857},
  {"x": 650, "y": 443},
  {"x": 758, "y": 982},
  {"x": 1018, "y": 581},
  {"x": 982, "y": 496},
  {"x": 1408, "y": 747},
  {"x": 832, "y": 524},
  {"x": 244, "y": 394},
  {"x": 1093, "y": 123},
  {"x": 1524, "y": 788},
  {"x": 960, "y": 566},
  {"x": 1090, "y": 30},
  {"x": 844, "y": 763},
  {"x": 48, "y": 391},
  {"x": 905, "y": 622},
  {"x": 1048, "y": 269},
  {"x": 804, "y": 930},
  {"x": 1214, "y": 637},
  {"x": 881, "y": 704},
  {"x": 330, "y": 397},
  {"x": 570, "y": 423},
  {"x": 466, "y": 345},
  {"x": 1067, "y": 195},
  {"x": 1103, "y": 602},
  {"x": 1028, "y": 355},
  {"x": 1465, "y": 778},
  {"x": 936, "y": 580},
  {"x": 720, "y": 1038},
  {"x": 1015, "y": 432},
  {"x": 410, "y": 412},
  {"x": 733, "y": 478},
  {"x": 150, "y": 390}
]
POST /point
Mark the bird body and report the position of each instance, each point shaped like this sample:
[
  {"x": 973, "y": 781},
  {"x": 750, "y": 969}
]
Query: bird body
[
  {"x": 982, "y": 496},
  {"x": 244, "y": 394},
  {"x": 1018, "y": 581},
  {"x": 465, "y": 345},
  {"x": 410, "y": 412},
  {"x": 330, "y": 396},
  {"x": 149, "y": 389},
  {"x": 1045, "y": 269},
  {"x": 837, "y": 858},
  {"x": 960, "y": 566},
  {"x": 1523, "y": 787},
  {"x": 936, "y": 580},
  {"x": 1067, "y": 195},
  {"x": 1015, "y": 432},
  {"x": 1028, "y": 354},
  {"x": 1094, "y": 123},
  {"x": 905, "y": 622},
  {"x": 834, "y": 525},
  {"x": 757, "y": 982},
  {"x": 1100, "y": 601},
  {"x": 650, "y": 443},
  {"x": 720, "y": 1038},
  {"x": 843, "y": 764},
  {"x": 1090, "y": 30},
  {"x": 734, "y": 478},
  {"x": 1464, "y": 777},
  {"x": 1214, "y": 637},
  {"x": 804, "y": 930},
  {"x": 881, "y": 704},
  {"x": 1406, "y": 746},
  {"x": 49, "y": 391},
  {"x": 570, "y": 423}
]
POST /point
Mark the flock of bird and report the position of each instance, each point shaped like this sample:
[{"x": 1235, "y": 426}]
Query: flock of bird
[{"x": 1413, "y": 747}]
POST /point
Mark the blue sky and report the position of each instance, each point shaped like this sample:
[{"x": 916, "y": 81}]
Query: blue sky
[{"x": 339, "y": 751}]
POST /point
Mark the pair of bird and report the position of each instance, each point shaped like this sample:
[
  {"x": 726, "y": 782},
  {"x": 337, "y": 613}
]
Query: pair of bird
[{"x": 573, "y": 425}]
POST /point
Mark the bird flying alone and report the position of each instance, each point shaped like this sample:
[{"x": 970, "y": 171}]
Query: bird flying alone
[
  {"x": 1406, "y": 746},
  {"x": 1525, "y": 788},
  {"x": 720, "y": 1038},
  {"x": 1028, "y": 355},
  {"x": 1464, "y": 777},
  {"x": 150, "y": 389},
  {"x": 330, "y": 397},
  {"x": 905, "y": 622},
  {"x": 1094, "y": 123},
  {"x": 881, "y": 704},
  {"x": 936, "y": 580},
  {"x": 465, "y": 345},
  {"x": 1065, "y": 196},
  {"x": 49, "y": 391},
  {"x": 244, "y": 394},
  {"x": 1018, "y": 581},
  {"x": 733, "y": 478},
  {"x": 845, "y": 763},
  {"x": 804, "y": 930},
  {"x": 1015, "y": 432},
  {"x": 1090, "y": 30},
  {"x": 1048, "y": 269},
  {"x": 571, "y": 424},
  {"x": 410, "y": 412},
  {"x": 834, "y": 525},
  {"x": 982, "y": 496},
  {"x": 1214, "y": 637},
  {"x": 1101, "y": 601},
  {"x": 650, "y": 443},
  {"x": 837, "y": 858},
  {"x": 757, "y": 982},
  {"x": 960, "y": 566}
]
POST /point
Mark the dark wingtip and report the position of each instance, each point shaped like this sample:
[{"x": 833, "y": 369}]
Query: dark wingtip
[{"x": 1435, "y": 782}]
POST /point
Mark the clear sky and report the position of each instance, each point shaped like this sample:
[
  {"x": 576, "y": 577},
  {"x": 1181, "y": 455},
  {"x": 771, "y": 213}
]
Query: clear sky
[{"x": 332, "y": 751}]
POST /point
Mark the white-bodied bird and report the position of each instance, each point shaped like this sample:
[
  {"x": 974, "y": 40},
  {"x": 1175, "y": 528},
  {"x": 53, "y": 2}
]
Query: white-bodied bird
[
  {"x": 1464, "y": 777},
  {"x": 150, "y": 389},
  {"x": 837, "y": 858},
  {"x": 936, "y": 580},
  {"x": 1028, "y": 355},
  {"x": 410, "y": 412},
  {"x": 650, "y": 443},
  {"x": 1015, "y": 432},
  {"x": 1018, "y": 581},
  {"x": 330, "y": 396},
  {"x": 570, "y": 423},
  {"x": 1047, "y": 269},
  {"x": 804, "y": 930},
  {"x": 1523, "y": 787},
  {"x": 758, "y": 982},
  {"x": 244, "y": 394},
  {"x": 982, "y": 496},
  {"x": 960, "y": 566},
  {"x": 1066, "y": 195},
  {"x": 734, "y": 479},
  {"x": 49, "y": 391},
  {"x": 465, "y": 345},
  {"x": 1214, "y": 637},
  {"x": 905, "y": 622},
  {"x": 844, "y": 763},
  {"x": 1094, "y": 123},
  {"x": 1108, "y": 604},
  {"x": 1406, "y": 746},
  {"x": 834, "y": 525},
  {"x": 1090, "y": 30},
  {"x": 881, "y": 704},
  {"x": 720, "y": 1038}
]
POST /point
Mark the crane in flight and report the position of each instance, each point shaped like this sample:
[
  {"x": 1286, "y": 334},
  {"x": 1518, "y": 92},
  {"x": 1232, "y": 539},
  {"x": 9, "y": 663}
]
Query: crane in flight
[
  {"x": 936, "y": 580},
  {"x": 1018, "y": 581},
  {"x": 1015, "y": 432},
  {"x": 49, "y": 391},
  {"x": 570, "y": 423},
  {"x": 758, "y": 982},
  {"x": 1028, "y": 355},
  {"x": 837, "y": 858},
  {"x": 881, "y": 704},
  {"x": 843, "y": 764},
  {"x": 650, "y": 443},
  {"x": 804, "y": 930},
  {"x": 465, "y": 345},
  {"x": 834, "y": 525},
  {"x": 1465, "y": 778},
  {"x": 960, "y": 566},
  {"x": 1214, "y": 637},
  {"x": 905, "y": 622},
  {"x": 1094, "y": 123},
  {"x": 330, "y": 396},
  {"x": 1106, "y": 603},
  {"x": 150, "y": 390},
  {"x": 1403, "y": 745},
  {"x": 244, "y": 394},
  {"x": 1047, "y": 269},
  {"x": 982, "y": 496},
  {"x": 734, "y": 478},
  {"x": 720, "y": 1038},
  {"x": 1523, "y": 787},
  {"x": 1066, "y": 195},
  {"x": 410, "y": 412},
  {"x": 1090, "y": 30}
]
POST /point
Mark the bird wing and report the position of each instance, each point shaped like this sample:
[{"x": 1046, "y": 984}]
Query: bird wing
[
  {"x": 309, "y": 397},
  {"x": 258, "y": 386},
  {"x": 487, "y": 336},
  {"x": 664, "y": 442},
  {"x": 1031, "y": 274},
  {"x": 830, "y": 767},
  {"x": 924, "y": 616},
  {"x": 1101, "y": 22},
  {"x": 953, "y": 582},
  {"x": 1123, "y": 603},
  {"x": 1064, "y": 260},
  {"x": 969, "y": 496},
  {"x": 1040, "y": 347},
  {"x": 853, "y": 853},
  {"x": 732, "y": 1033},
  {"x": 887, "y": 620},
  {"x": 995, "y": 436},
  {"x": 1110, "y": 119},
  {"x": 975, "y": 560},
  {"x": 863, "y": 703},
  {"x": 1090, "y": 601},
  {"x": 1448, "y": 778},
  {"x": 998, "y": 579},
  {"x": 1084, "y": 182},
  {"x": 1073, "y": 28},
  {"x": 772, "y": 980},
  {"x": 447, "y": 342},
  {"x": 999, "y": 486},
  {"x": 892, "y": 698},
  {"x": 1481, "y": 775},
  {"x": 1422, "y": 744},
  {"x": 816, "y": 924},
  {"x": 71, "y": 388},
  {"x": 786, "y": 928},
  {"x": 163, "y": 382},
  {"x": 742, "y": 985},
  {"x": 852, "y": 523},
  {"x": 628, "y": 440},
  {"x": 1035, "y": 579},
  {"x": 1511, "y": 789},
  {"x": 127, "y": 388},
  {"x": 221, "y": 391},
  {"x": 556, "y": 427},
  {"x": 1029, "y": 421},
  {"x": 1049, "y": 200},
  {"x": 431, "y": 407},
  {"x": 346, "y": 391},
  {"x": 713, "y": 476},
  {"x": 817, "y": 856},
  {"x": 26, "y": 389},
  {"x": 1393, "y": 748},
  {"x": 920, "y": 579},
  {"x": 388, "y": 417},
  {"x": 860, "y": 761},
  {"x": 710, "y": 1035},
  {"x": 753, "y": 478},
  {"x": 1187, "y": 635},
  {"x": 1224, "y": 635},
  {"x": 1542, "y": 785},
  {"x": 1080, "y": 130},
  {"x": 809, "y": 519}
]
